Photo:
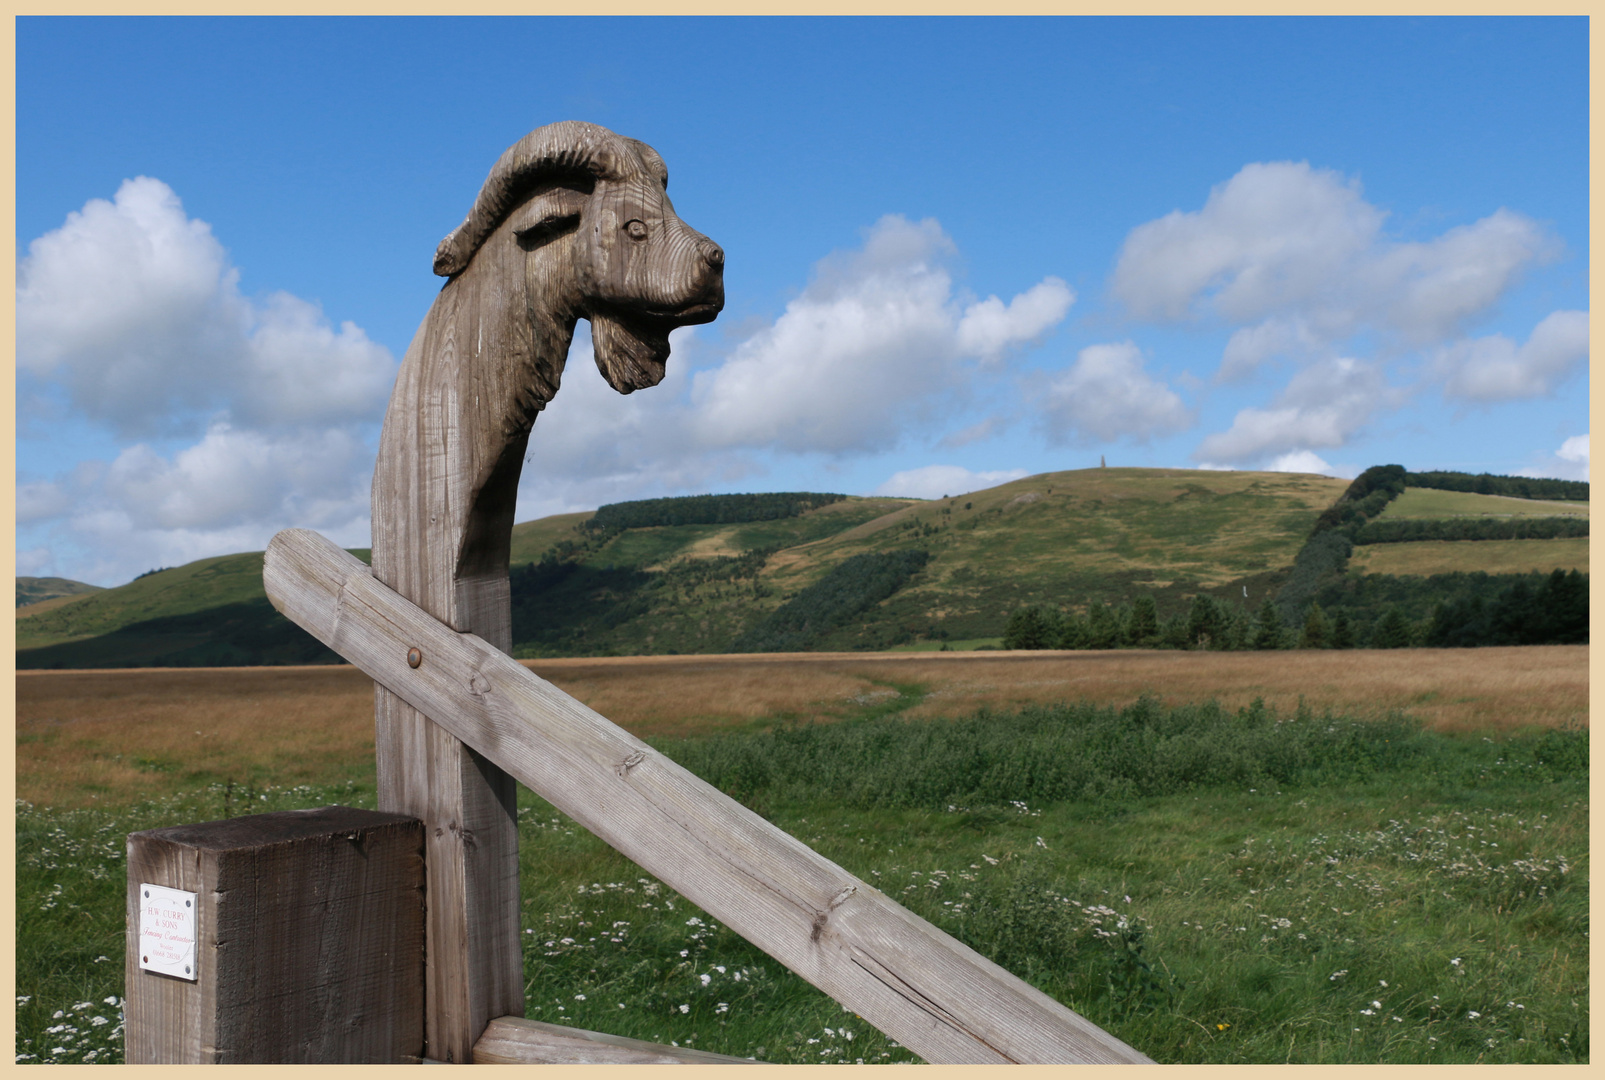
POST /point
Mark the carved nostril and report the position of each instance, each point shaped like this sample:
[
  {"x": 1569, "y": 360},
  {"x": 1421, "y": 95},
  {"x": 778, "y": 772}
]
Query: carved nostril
[{"x": 713, "y": 254}]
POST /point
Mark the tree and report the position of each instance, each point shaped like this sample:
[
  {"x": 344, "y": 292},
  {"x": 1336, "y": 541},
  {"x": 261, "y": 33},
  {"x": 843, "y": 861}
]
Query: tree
[
  {"x": 1268, "y": 626},
  {"x": 1206, "y": 623},
  {"x": 1026, "y": 630},
  {"x": 1103, "y": 628},
  {"x": 1142, "y": 629},
  {"x": 1392, "y": 631},
  {"x": 1316, "y": 631},
  {"x": 1342, "y": 631},
  {"x": 1072, "y": 633}
]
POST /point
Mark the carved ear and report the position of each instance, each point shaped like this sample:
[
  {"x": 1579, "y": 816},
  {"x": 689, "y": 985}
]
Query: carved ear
[
  {"x": 654, "y": 163},
  {"x": 566, "y": 149}
]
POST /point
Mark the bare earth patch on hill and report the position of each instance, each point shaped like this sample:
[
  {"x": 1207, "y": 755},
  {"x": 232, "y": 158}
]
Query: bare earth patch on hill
[{"x": 87, "y": 737}]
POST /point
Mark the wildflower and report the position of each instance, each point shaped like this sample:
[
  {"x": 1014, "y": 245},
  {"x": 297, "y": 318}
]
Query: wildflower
[
  {"x": 1376, "y": 1004},
  {"x": 706, "y": 978},
  {"x": 1222, "y": 1027},
  {"x": 685, "y": 1008},
  {"x": 1473, "y": 1015},
  {"x": 579, "y": 997},
  {"x": 1455, "y": 961}
]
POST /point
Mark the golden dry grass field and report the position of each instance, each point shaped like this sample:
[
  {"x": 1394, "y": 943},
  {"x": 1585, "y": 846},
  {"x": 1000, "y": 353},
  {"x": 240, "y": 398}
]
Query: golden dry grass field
[
  {"x": 1425, "y": 557},
  {"x": 115, "y": 736},
  {"x": 1435, "y": 503}
]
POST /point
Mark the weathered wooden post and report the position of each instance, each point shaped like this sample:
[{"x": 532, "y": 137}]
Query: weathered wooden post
[
  {"x": 573, "y": 222},
  {"x": 290, "y": 937}
]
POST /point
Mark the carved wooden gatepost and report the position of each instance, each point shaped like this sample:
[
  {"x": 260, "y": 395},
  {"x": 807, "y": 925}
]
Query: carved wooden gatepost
[{"x": 572, "y": 223}]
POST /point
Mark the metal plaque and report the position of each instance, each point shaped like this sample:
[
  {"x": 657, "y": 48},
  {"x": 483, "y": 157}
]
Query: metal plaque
[{"x": 167, "y": 931}]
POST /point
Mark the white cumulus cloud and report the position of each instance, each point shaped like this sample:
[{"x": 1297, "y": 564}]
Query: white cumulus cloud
[
  {"x": 1570, "y": 462},
  {"x": 1286, "y": 244},
  {"x": 874, "y": 346},
  {"x": 1495, "y": 368},
  {"x": 133, "y": 309},
  {"x": 234, "y": 417},
  {"x": 1107, "y": 395},
  {"x": 937, "y": 481},
  {"x": 1322, "y": 407}
]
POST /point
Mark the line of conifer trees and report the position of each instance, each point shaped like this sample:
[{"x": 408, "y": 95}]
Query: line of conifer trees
[
  {"x": 1208, "y": 623},
  {"x": 1400, "y": 530},
  {"x": 705, "y": 510},
  {"x": 1520, "y": 487}
]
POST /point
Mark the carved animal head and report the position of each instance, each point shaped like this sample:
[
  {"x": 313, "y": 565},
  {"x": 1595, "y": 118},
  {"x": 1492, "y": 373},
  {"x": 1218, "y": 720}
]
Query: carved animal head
[{"x": 590, "y": 211}]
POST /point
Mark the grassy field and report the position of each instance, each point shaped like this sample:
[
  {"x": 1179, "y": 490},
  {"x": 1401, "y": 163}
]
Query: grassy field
[
  {"x": 1433, "y": 503},
  {"x": 1267, "y": 883},
  {"x": 1425, "y": 557},
  {"x": 91, "y": 738}
]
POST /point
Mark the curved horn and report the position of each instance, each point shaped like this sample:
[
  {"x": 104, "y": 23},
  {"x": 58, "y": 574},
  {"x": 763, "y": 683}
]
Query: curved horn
[{"x": 569, "y": 146}]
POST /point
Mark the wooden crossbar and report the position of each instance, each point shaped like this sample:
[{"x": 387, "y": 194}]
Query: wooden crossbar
[{"x": 921, "y": 987}]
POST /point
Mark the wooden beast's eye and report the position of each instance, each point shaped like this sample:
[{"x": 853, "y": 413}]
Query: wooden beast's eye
[{"x": 636, "y": 228}]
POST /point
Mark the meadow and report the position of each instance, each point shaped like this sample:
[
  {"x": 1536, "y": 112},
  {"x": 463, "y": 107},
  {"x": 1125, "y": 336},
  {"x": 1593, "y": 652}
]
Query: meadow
[
  {"x": 1424, "y": 557},
  {"x": 1394, "y": 869},
  {"x": 1417, "y": 502}
]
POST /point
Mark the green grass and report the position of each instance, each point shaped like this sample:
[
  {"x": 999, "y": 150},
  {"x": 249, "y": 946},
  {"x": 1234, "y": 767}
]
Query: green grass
[
  {"x": 33, "y": 590},
  {"x": 1215, "y": 886},
  {"x": 1434, "y": 503}
]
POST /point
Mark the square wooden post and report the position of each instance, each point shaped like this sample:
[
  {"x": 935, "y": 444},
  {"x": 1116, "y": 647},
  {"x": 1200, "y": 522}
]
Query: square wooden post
[{"x": 308, "y": 940}]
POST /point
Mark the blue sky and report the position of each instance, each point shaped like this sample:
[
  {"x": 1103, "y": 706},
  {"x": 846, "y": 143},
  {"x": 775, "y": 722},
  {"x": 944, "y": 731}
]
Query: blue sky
[{"x": 958, "y": 251}]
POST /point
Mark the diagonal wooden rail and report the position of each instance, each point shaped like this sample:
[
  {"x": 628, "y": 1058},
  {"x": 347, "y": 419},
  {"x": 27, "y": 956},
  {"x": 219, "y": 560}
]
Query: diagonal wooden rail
[{"x": 928, "y": 991}]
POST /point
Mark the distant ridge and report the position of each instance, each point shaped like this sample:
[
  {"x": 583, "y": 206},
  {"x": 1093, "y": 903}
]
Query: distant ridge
[
  {"x": 34, "y": 590},
  {"x": 810, "y": 571}
]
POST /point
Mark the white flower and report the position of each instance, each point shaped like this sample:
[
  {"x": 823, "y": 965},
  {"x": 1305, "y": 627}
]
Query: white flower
[
  {"x": 706, "y": 978},
  {"x": 1473, "y": 1015},
  {"x": 579, "y": 997},
  {"x": 685, "y": 1008},
  {"x": 1455, "y": 961}
]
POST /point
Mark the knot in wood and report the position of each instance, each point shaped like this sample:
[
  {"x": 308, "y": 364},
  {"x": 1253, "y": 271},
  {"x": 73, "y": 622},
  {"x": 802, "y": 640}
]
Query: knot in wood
[{"x": 629, "y": 763}]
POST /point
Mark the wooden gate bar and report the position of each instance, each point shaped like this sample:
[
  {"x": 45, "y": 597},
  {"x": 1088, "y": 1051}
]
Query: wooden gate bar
[{"x": 921, "y": 987}]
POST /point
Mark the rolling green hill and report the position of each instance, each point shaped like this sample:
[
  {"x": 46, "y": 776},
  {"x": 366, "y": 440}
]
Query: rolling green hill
[
  {"x": 209, "y": 613},
  {"x": 37, "y": 590},
  {"x": 857, "y": 573}
]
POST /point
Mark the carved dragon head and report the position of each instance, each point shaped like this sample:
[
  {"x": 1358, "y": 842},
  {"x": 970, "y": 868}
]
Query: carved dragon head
[{"x": 591, "y": 210}]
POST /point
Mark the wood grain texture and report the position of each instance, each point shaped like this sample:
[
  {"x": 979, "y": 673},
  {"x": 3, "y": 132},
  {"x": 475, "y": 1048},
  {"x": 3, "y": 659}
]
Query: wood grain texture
[
  {"x": 516, "y": 1041},
  {"x": 309, "y": 940},
  {"x": 572, "y": 222},
  {"x": 917, "y": 984}
]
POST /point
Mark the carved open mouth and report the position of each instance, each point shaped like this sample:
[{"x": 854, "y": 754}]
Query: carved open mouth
[
  {"x": 632, "y": 346},
  {"x": 631, "y": 355}
]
